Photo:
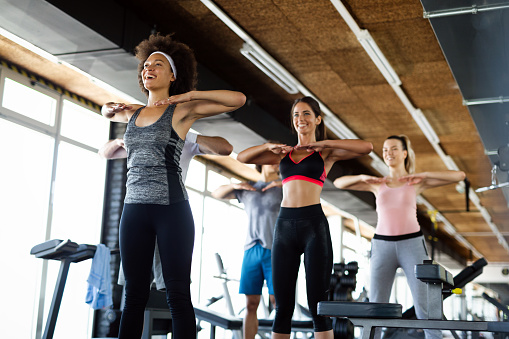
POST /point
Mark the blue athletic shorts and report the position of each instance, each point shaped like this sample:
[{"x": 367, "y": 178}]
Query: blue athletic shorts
[{"x": 256, "y": 267}]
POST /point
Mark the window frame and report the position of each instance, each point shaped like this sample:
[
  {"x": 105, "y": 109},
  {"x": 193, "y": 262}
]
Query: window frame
[{"x": 54, "y": 132}]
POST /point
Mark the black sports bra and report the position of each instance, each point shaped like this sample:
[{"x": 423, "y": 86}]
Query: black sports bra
[{"x": 310, "y": 168}]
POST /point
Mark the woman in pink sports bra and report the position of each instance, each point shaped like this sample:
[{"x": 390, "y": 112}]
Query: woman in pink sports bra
[
  {"x": 398, "y": 241},
  {"x": 301, "y": 227}
]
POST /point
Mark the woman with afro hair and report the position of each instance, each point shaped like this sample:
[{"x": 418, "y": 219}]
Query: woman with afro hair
[{"x": 156, "y": 202}]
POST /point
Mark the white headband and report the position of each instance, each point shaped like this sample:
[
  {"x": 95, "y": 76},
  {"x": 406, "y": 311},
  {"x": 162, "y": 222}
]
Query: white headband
[{"x": 170, "y": 60}]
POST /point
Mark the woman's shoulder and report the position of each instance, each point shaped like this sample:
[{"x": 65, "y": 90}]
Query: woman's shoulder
[{"x": 134, "y": 108}]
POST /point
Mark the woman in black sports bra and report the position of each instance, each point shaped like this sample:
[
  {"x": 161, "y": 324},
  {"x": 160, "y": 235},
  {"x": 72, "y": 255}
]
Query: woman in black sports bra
[{"x": 301, "y": 227}]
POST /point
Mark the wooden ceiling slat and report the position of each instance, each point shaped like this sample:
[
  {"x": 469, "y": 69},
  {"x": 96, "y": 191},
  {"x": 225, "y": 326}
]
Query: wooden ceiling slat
[
  {"x": 311, "y": 40},
  {"x": 376, "y": 11}
]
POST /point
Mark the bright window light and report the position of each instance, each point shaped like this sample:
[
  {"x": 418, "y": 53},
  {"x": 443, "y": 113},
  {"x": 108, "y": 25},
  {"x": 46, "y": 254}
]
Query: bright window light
[
  {"x": 29, "y": 102},
  {"x": 83, "y": 125}
]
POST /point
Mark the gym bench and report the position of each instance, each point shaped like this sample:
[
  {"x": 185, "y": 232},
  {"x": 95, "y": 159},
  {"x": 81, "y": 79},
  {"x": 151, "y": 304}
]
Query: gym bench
[
  {"x": 235, "y": 324},
  {"x": 369, "y": 316},
  {"x": 217, "y": 319},
  {"x": 302, "y": 326}
]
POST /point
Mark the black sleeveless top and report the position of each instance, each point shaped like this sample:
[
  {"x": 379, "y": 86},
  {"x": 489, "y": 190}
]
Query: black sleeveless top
[{"x": 310, "y": 168}]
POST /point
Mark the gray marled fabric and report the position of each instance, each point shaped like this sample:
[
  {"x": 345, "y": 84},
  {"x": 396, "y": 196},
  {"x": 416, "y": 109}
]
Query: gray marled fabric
[{"x": 153, "y": 156}]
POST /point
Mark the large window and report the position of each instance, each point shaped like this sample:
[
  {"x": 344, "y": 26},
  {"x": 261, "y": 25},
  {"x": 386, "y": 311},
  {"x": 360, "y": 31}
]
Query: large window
[{"x": 51, "y": 187}]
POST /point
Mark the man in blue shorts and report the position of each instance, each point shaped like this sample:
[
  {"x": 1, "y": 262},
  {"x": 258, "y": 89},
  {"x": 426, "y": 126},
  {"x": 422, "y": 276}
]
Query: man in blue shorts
[{"x": 262, "y": 200}]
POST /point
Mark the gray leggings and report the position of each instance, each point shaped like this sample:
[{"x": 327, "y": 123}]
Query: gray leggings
[{"x": 386, "y": 257}]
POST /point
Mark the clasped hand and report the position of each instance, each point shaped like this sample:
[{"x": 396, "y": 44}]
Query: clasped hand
[
  {"x": 116, "y": 107},
  {"x": 411, "y": 179},
  {"x": 317, "y": 146},
  {"x": 175, "y": 99}
]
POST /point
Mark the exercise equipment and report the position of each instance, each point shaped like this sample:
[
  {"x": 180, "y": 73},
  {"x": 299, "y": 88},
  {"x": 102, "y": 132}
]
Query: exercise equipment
[
  {"x": 66, "y": 252},
  {"x": 158, "y": 319},
  {"x": 501, "y": 308},
  {"x": 157, "y": 316},
  {"x": 232, "y": 323},
  {"x": 264, "y": 325},
  {"x": 466, "y": 275},
  {"x": 372, "y": 315},
  {"x": 494, "y": 182},
  {"x": 342, "y": 283},
  {"x": 215, "y": 319}
]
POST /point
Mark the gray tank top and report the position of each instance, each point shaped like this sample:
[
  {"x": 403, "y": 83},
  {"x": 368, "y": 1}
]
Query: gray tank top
[{"x": 153, "y": 156}]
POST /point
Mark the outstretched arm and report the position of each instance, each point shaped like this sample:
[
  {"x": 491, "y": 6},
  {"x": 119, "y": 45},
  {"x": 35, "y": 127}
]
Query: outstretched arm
[
  {"x": 226, "y": 191},
  {"x": 113, "y": 149},
  {"x": 433, "y": 179},
  {"x": 118, "y": 112},
  {"x": 360, "y": 182},
  {"x": 340, "y": 149},
  {"x": 264, "y": 154},
  {"x": 200, "y": 104},
  {"x": 214, "y": 145}
]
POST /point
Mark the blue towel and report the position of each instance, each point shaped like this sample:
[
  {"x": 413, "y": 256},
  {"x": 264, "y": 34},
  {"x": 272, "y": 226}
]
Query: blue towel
[{"x": 99, "y": 293}]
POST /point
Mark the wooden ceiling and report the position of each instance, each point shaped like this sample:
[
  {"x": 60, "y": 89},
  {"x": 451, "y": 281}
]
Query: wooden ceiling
[{"x": 312, "y": 41}]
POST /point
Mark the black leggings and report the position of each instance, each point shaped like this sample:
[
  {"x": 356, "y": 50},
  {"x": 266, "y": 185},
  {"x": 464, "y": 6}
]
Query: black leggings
[
  {"x": 174, "y": 227},
  {"x": 301, "y": 230}
]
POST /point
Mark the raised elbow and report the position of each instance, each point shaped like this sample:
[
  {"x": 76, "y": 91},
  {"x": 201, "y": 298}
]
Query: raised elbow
[
  {"x": 461, "y": 175},
  {"x": 241, "y": 99},
  {"x": 369, "y": 147},
  {"x": 364, "y": 148},
  {"x": 242, "y": 157},
  {"x": 104, "y": 152},
  {"x": 338, "y": 183},
  {"x": 227, "y": 149}
]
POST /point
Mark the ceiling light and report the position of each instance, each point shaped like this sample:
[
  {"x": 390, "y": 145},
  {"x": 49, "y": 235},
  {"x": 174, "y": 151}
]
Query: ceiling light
[
  {"x": 484, "y": 101},
  {"x": 491, "y": 187},
  {"x": 383, "y": 65},
  {"x": 378, "y": 57},
  {"x": 494, "y": 184},
  {"x": 449, "y": 162},
  {"x": 421, "y": 120},
  {"x": 424, "y": 125},
  {"x": 379, "y": 165},
  {"x": 272, "y": 69},
  {"x": 474, "y": 9},
  {"x": 255, "y": 53},
  {"x": 333, "y": 123}
]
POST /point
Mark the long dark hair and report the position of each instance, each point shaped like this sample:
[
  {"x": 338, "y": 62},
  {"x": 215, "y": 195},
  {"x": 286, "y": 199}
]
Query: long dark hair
[
  {"x": 315, "y": 107},
  {"x": 407, "y": 146},
  {"x": 182, "y": 56}
]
